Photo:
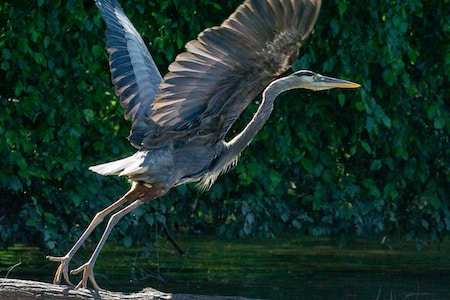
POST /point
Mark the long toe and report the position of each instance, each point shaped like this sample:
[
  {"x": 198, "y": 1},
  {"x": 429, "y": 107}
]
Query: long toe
[
  {"x": 93, "y": 282},
  {"x": 63, "y": 269},
  {"x": 88, "y": 274},
  {"x": 83, "y": 281}
]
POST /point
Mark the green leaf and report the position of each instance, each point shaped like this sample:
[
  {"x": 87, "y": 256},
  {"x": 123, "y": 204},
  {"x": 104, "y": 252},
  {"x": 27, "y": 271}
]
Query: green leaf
[
  {"x": 98, "y": 50},
  {"x": 372, "y": 187},
  {"x": 6, "y": 54},
  {"x": 14, "y": 183},
  {"x": 342, "y": 7},
  {"x": 127, "y": 241},
  {"x": 359, "y": 105},
  {"x": 370, "y": 124},
  {"x": 401, "y": 152},
  {"x": 425, "y": 224},
  {"x": 307, "y": 164},
  {"x": 275, "y": 177},
  {"x": 386, "y": 121},
  {"x": 5, "y": 65},
  {"x": 297, "y": 225},
  {"x": 47, "y": 41},
  {"x": 88, "y": 115},
  {"x": 366, "y": 147},
  {"x": 389, "y": 77},
  {"x": 18, "y": 89},
  {"x": 341, "y": 99},
  {"x": 376, "y": 165},
  {"x": 439, "y": 122}
]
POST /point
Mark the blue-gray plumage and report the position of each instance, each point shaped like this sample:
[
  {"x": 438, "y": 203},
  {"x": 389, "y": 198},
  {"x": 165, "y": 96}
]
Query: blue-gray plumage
[{"x": 179, "y": 122}]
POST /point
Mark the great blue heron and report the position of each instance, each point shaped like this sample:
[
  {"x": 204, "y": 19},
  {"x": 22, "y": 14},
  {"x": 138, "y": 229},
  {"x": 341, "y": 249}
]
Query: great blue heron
[{"x": 179, "y": 123}]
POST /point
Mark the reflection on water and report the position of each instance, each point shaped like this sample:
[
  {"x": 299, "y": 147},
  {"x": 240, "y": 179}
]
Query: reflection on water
[{"x": 282, "y": 268}]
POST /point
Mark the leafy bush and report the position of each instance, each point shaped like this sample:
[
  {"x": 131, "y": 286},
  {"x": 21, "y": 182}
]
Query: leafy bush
[{"x": 369, "y": 162}]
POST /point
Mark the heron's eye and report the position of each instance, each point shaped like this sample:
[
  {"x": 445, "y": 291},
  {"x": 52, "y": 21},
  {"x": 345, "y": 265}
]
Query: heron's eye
[{"x": 316, "y": 77}]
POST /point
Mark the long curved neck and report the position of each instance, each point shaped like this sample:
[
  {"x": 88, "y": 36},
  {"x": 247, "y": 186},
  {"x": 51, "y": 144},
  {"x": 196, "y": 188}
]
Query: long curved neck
[
  {"x": 243, "y": 139},
  {"x": 230, "y": 151}
]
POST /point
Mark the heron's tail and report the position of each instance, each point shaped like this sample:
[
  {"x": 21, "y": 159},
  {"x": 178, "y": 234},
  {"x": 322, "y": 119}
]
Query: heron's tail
[{"x": 129, "y": 166}]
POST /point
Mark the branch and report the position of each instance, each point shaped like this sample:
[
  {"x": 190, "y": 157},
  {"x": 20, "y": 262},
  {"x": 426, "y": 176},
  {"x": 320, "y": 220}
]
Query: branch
[{"x": 14, "y": 289}]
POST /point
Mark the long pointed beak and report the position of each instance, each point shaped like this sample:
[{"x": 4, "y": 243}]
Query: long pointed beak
[{"x": 331, "y": 82}]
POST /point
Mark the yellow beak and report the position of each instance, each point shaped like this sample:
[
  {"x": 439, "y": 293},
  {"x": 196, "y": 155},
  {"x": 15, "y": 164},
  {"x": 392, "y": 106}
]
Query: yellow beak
[{"x": 331, "y": 82}]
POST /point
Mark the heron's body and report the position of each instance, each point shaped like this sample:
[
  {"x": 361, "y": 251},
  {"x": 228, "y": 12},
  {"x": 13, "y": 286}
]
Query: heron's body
[
  {"x": 180, "y": 122},
  {"x": 145, "y": 165}
]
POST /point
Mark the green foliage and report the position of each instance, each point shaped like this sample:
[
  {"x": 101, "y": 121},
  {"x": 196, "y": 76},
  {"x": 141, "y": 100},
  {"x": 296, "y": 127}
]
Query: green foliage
[{"x": 371, "y": 162}]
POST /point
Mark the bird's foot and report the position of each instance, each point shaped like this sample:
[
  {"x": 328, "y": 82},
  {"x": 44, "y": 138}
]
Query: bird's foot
[
  {"x": 88, "y": 273},
  {"x": 63, "y": 269}
]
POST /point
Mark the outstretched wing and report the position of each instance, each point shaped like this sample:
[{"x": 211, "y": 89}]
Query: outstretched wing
[
  {"x": 211, "y": 84},
  {"x": 133, "y": 71}
]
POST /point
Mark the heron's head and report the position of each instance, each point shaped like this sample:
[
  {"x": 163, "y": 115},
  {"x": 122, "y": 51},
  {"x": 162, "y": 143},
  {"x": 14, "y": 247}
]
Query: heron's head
[{"x": 312, "y": 81}]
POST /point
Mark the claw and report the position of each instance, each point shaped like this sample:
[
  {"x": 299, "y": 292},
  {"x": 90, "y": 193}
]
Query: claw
[
  {"x": 63, "y": 269},
  {"x": 88, "y": 273}
]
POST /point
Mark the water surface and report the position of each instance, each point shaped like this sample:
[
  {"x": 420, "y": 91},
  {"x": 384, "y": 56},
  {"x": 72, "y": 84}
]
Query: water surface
[{"x": 281, "y": 268}]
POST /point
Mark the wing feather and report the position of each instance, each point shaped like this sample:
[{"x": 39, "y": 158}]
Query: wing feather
[
  {"x": 133, "y": 71},
  {"x": 210, "y": 84}
]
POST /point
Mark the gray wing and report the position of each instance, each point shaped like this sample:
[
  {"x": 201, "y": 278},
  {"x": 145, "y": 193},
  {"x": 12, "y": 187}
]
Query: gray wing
[
  {"x": 211, "y": 84},
  {"x": 133, "y": 71}
]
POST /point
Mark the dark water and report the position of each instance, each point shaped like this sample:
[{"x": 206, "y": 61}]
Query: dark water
[{"x": 282, "y": 268}]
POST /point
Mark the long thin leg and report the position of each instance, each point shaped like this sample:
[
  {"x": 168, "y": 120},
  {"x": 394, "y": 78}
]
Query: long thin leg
[
  {"x": 135, "y": 192},
  {"x": 88, "y": 267}
]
